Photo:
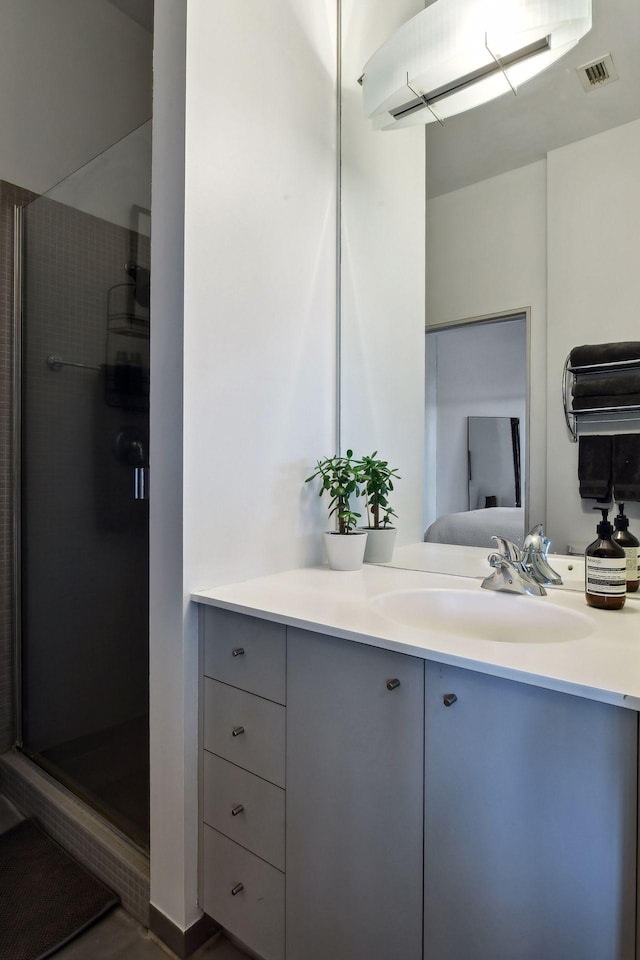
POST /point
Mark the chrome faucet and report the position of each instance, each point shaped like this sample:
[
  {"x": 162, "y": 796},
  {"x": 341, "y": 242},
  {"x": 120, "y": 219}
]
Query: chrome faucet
[
  {"x": 534, "y": 557},
  {"x": 509, "y": 573}
]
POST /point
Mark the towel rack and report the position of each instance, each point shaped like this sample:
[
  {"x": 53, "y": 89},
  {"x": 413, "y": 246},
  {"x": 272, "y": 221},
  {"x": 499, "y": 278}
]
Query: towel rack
[
  {"x": 57, "y": 363},
  {"x": 605, "y": 414}
]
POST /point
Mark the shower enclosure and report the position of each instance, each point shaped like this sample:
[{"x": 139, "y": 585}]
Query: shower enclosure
[{"x": 84, "y": 514}]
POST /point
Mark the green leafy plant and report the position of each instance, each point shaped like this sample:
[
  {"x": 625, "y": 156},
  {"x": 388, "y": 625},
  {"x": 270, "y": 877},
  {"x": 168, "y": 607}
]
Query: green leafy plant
[
  {"x": 341, "y": 480},
  {"x": 377, "y": 479}
]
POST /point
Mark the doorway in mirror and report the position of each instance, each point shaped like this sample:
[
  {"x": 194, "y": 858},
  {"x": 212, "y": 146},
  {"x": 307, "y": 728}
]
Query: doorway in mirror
[{"x": 476, "y": 370}]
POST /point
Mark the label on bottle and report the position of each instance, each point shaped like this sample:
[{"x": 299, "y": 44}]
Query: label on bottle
[
  {"x": 633, "y": 562},
  {"x": 606, "y": 576}
]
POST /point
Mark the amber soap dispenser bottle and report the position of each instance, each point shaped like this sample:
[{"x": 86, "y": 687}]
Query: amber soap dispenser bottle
[
  {"x": 631, "y": 548},
  {"x": 605, "y": 569}
]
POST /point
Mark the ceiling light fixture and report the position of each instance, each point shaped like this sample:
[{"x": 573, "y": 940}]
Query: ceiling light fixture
[{"x": 456, "y": 54}]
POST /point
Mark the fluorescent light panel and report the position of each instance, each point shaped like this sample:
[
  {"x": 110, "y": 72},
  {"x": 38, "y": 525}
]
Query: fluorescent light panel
[{"x": 457, "y": 54}]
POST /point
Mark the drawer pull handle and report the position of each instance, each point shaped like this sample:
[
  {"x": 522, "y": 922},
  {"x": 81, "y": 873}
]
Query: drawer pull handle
[
  {"x": 237, "y": 731},
  {"x": 237, "y": 652},
  {"x": 236, "y": 890},
  {"x": 239, "y": 807},
  {"x": 449, "y": 699},
  {"x": 393, "y": 684}
]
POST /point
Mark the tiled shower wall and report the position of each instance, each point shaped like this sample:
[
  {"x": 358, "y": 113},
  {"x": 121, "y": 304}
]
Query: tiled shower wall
[{"x": 10, "y": 195}]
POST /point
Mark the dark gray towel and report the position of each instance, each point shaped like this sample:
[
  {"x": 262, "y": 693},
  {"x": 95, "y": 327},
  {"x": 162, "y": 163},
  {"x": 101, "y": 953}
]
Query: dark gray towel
[
  {"x": 626, "y": 466},
  {"x": 601, "y": 385},
  {"x": 592, "y": 353},
  {"x": 594, "y": 467},
  {"x": 594, "y": 403}
]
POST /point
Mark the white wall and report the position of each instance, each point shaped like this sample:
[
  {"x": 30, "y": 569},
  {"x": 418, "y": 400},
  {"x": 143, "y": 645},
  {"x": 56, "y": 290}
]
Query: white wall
[
  {"x": 110, "y": 185},
  {"x": 486, "y": 255},
  {"x": 259, "y": 282},
  {"x": 258, "y": 353},
  {"x": 594, "y": 292},
  {"x": 172, "y": 686},
  {"x": 76, "y": 77},
  {"x": 382, "y": 276}
]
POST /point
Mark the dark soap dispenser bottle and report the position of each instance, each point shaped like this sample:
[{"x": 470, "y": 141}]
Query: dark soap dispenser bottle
[
  {"x": 605, "y": 569},
  {"x": 631, "y": 548}
]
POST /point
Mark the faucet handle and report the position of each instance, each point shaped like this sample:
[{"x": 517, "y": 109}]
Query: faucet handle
[
  {"x": 536, "y": 540},
  {"x": 507, "y": 549},
  {"x": 537, "y": 530}
]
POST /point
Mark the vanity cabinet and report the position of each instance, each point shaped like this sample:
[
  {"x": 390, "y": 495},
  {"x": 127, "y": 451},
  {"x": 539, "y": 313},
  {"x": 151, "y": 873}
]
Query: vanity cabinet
[
  {"x": 243, "y": 778},
  {"x": 530, "y": 831},
  {"x": 432, "y": 812},
  {"x": 354, "y": 801}
]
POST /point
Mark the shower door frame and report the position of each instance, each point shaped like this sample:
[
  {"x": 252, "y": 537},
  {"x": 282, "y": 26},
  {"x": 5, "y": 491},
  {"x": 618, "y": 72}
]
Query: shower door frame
[
  {"x": 18, "y": 252},
  {"x": 75, "y": 788}
]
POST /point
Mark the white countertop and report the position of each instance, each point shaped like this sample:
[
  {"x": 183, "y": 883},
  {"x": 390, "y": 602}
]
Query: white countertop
[{"x": 604, "y": 665}]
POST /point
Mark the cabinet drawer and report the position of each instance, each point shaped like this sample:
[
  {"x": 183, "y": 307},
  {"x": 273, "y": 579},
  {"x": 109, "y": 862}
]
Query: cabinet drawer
[
  {"x": 260, "y": 667},
  {"x": 255, "y": 914},
  {"x": 259, "y": 727},
  {"x": 259, "y": 825}
]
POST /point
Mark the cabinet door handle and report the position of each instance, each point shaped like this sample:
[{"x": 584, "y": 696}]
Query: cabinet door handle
[
  {"x": 393, "y": 684},
  {"x": 449, "y": 699},
  {"x": 239, "y": 807},
  {"x": 237, "y": 652},
  {"x": 236, "y": 890},
  {"x": 237, "y": 731}
]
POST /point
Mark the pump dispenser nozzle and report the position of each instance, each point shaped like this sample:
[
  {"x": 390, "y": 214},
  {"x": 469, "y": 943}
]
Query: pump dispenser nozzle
[
  {"x": 604, "y": 527},
  {"x": 621, "y": 521},
  {"x": 631, "y": 547}
]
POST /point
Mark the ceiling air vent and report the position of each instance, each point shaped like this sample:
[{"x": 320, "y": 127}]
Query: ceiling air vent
[{"x": 597, "y": 73}]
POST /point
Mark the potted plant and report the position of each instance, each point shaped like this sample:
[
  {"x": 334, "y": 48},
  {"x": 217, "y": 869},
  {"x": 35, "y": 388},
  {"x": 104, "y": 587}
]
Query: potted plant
[
  {"x": 376, "y": 477},
  {"x": 341, "y": 480}
]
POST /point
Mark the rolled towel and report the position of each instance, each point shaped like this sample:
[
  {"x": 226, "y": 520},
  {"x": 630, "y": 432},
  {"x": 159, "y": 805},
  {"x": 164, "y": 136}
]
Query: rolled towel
[
  {"x": 594, "y": 353},
  {"x": 599, "y": 385},
  {"x": 594, "y": 467},
  {"x": 595, "y": 403},
  {"x": 626, "y": 466}
]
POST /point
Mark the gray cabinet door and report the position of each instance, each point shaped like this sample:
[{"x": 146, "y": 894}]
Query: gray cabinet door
[
  {"x": 530, "y": 835},
  {"x": 354, "y": 801}
]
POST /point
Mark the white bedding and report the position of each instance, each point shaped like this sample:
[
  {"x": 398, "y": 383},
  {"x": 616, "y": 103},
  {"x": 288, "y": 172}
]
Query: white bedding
[{"x": 474, "y": 528}]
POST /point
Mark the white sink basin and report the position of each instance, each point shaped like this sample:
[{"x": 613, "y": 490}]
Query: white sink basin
[{"x": 485, "y": 615}]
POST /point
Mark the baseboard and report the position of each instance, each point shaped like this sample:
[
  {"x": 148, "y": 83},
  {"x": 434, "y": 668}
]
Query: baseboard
[{"x": 181, "y": 942}]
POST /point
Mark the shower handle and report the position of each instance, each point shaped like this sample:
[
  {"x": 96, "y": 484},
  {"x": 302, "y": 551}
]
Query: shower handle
[{"x": 140, "y": 483}]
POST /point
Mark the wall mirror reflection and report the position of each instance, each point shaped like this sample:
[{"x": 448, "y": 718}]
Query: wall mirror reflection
[
  {"x": 526, "y": 203},
  {"x": 493, "y": 445},
  {"x": 475, "y": 430}
]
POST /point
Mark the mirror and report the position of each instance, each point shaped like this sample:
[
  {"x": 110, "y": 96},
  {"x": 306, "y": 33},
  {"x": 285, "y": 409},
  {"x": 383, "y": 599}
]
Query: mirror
[{"x": 530, "y": 203}]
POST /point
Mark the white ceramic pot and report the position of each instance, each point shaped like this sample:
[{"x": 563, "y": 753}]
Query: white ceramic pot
[
  {"x": 345, "y": 551},
  {"x": 380, "y": 544}
]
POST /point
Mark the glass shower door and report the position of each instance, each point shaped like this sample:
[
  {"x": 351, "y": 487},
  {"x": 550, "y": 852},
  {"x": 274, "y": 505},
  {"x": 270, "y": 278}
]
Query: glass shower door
[{"x": 84, "y": 512}]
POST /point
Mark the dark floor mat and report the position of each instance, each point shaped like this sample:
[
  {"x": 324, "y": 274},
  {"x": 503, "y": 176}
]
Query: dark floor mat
[{"x": 46, "y": 898}]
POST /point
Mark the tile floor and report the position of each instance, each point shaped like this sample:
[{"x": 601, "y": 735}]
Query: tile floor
[{"x": 117, "y": 936}]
